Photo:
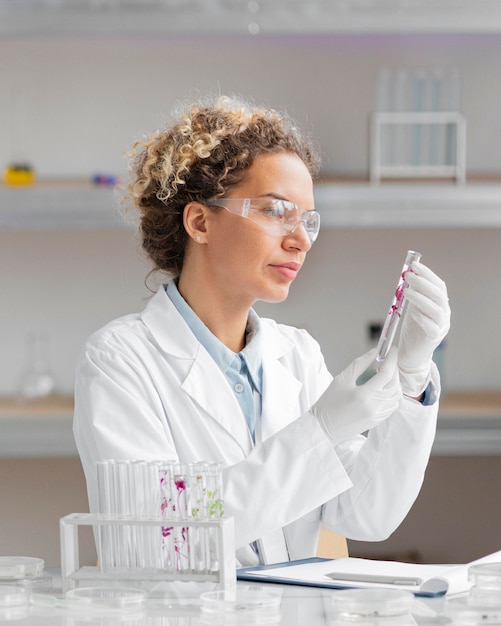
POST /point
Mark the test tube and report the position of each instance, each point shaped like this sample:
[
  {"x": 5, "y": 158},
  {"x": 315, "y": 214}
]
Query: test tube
[
  {"x": 167, "y": 512},
  {"x": 397, "y": 310},
  {"x": 199, "y": 537},
  {"x": 121, "y": 494},
  {"x": 141, "y": 492},
  {"x": 105, "y": 533},
  {"x": 110, "y": 504},
  {"x": 180, "y": 498},
  {"x": 215, "y": 510}
]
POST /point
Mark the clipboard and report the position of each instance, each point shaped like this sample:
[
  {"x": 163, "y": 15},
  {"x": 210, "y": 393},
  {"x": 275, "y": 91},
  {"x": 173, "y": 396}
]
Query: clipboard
[
  {"x": 431, "y": 587},
  {"x": 251, "y": 574}
]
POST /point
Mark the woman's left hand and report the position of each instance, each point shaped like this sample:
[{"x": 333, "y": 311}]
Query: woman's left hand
[{"x": 424, "y": 326}]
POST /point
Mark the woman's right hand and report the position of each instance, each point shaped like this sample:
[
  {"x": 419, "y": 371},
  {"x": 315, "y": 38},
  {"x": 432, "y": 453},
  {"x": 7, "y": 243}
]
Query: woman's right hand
[{"x": 346, "y": 409}]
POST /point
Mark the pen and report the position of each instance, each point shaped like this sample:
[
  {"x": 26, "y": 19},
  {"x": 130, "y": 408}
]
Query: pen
[{"x": 375, "y": 578}]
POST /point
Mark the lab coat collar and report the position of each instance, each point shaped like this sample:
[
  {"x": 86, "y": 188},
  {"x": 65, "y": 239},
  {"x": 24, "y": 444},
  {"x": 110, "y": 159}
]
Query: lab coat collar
[
  {"x": 280, "y": 387},
  {"x": 168, "y": 327},
  {"x": 224, "y": 357},
  {"x": 195, "y": 365}
]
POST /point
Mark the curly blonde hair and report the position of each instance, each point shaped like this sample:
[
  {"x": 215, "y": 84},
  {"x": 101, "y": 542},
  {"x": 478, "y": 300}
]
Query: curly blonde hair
[{"x": 205, "y": 153}]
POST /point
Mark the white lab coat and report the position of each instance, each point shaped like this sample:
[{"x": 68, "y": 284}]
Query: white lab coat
[{"x": 147, "y": 389}]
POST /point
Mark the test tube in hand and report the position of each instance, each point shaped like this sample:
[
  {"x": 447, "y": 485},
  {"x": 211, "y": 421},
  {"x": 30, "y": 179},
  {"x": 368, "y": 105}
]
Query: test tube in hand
[
  {"x": 392, "y": 321},
  {"x": 397, "y": 310}
]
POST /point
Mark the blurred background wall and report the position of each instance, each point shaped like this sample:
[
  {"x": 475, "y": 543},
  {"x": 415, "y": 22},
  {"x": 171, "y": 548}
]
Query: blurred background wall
[{"x": 73, "y": 106}]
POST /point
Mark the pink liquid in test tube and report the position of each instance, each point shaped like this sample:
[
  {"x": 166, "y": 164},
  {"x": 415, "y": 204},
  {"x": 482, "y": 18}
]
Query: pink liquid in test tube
[{"x": 397, "y": 310}]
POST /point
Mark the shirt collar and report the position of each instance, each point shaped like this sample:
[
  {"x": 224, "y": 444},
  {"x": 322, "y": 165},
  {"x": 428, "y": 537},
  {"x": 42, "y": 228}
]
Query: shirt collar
[{"x": 223, "y": 356}]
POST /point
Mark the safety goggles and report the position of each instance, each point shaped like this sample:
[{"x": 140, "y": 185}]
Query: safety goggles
[{"x": 280, "y": 217}]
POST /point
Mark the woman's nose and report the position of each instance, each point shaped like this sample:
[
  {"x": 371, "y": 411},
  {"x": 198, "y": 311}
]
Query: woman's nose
[{"x": 298, "y": 238}]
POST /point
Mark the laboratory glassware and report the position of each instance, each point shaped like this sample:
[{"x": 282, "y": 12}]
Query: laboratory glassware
[
  {"x": 394, "y": 318},
  {"x": 371, "y": 606},
  {"x": 178, "y": 496},
  {"x": 243, "y": 608},
  {"x": 482, "y": 605},
  {"x": 24, "y": 571}
]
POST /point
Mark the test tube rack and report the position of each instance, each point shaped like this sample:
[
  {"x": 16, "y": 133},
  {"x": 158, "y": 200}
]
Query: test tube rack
[
  {"x": 417, "y": 130},
  {"x": 409, "y": 131},
  {"x": 73, "y": 575}
]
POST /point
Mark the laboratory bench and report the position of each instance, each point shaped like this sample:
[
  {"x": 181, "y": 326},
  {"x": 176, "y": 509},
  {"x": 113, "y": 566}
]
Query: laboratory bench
[
  {"x": 469, "y": 424},
  {"x": 53, "y": 205},
  {"x": 299, "y": 605}
]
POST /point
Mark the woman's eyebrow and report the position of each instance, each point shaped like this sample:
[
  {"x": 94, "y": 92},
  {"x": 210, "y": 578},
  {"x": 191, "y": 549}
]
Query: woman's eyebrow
[{"x": 273, "y": 195}]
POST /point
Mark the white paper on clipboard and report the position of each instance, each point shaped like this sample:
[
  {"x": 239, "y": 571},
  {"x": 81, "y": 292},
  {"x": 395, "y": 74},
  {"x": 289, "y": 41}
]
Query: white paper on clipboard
[{"x": 435, "y": 579}]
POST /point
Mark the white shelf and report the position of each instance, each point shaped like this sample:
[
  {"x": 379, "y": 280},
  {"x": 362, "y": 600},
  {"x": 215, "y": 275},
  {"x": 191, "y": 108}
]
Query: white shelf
[
  {"x": 59, "y": 206},
  {"x": 84, "y": 207},
  {"x": 474, "y": 437},
  {"x": 43, "y": 429},
  {"x": 389, "y": 205},
  {"x": 469, "y": 424}
]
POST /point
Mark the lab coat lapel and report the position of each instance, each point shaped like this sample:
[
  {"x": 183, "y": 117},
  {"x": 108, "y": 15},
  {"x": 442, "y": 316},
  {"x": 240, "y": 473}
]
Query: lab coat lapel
[
  {"x": 280, "y": 387},
  {"x": 208, "y": 386},
  {"x": 200, "y": 377},
  {"x": 280, "y": 407}
]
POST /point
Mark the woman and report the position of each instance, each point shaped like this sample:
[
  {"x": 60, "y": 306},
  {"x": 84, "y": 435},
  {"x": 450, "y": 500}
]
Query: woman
[{"x": 225, "y": 198}]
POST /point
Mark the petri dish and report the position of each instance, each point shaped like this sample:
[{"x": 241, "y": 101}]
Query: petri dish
[
  {"x": 369, "y": 603},
  {"x": 250, "y": 606},
  {"x": 17, "y": 567},
  {"x": 11, "y": 596},
  {"x": 465, "y": 610},
  {"x": 36, "y": 585},
  {"x": 14, "y": 603},
  {"x": 486, "y": 576},
  {"x": 116, "y": 599}
]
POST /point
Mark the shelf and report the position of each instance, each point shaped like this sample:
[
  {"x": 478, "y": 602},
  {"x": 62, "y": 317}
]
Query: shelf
[
  {"x": 469, "y": 423},
  {"x": 53, "y": 405},
  {"x": 82, "y": 206},
  {"x": 409, "y": 205},
  {"x": 37, "y": 429},
  {"x": 467, "y": 405},
  {"x": 59, "y": 206}
]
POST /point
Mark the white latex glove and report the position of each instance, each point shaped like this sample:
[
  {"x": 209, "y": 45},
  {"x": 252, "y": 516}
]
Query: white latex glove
[
  {"x": 346, "y": 409},
  {"x": 424, "y": 326}
]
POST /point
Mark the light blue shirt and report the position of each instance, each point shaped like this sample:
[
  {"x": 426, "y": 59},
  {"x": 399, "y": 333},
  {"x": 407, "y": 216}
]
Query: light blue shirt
[
  {"x": 243, "y": 370},
  {"x": 429, "y": 395}
]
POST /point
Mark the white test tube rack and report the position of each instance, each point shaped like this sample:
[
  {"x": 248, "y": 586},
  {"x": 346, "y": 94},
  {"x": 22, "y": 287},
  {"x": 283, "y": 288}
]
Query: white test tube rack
[
  {"x": 73, "y": 575},
  {"x": 418, "y": 120}
]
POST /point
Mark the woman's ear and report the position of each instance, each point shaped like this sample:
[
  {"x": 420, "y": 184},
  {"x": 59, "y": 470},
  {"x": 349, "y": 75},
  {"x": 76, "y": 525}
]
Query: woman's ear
[{"x": 195, "y": 221}]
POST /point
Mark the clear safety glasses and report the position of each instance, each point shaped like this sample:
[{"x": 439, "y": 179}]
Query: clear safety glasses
[{"x": 280, "y": 217}]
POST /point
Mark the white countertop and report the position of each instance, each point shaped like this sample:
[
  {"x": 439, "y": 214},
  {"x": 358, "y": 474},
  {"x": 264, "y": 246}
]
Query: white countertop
[{"x": 300, "y": 606}]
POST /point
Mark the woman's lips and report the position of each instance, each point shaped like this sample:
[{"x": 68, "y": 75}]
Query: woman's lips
[{"x": 288, "y": 270}]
